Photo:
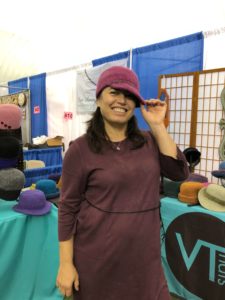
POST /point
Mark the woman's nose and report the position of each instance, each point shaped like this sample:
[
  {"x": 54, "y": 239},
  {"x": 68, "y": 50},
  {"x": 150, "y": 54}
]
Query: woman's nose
[{"x": 121, "y": 98}]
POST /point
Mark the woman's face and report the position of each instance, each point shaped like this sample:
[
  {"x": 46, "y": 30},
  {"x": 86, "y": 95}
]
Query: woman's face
[{"x": 117, "y": 107}]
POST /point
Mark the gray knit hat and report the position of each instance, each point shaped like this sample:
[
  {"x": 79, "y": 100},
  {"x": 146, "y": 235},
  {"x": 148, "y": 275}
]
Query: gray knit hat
[{"x": 11, "y": 183}]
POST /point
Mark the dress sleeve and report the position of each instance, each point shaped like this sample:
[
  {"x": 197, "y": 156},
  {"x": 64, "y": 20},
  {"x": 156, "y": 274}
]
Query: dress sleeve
[
  {"x": 174, "y": 169},
  {"x": 73, "y": 187}
]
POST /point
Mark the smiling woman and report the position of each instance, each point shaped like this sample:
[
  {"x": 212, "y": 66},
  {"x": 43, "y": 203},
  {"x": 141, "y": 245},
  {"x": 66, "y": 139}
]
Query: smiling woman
[{"x": 108, "y": 221}]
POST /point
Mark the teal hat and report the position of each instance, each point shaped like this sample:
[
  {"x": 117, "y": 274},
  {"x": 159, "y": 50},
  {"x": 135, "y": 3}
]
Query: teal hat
[{"x": 48, "y": 186}]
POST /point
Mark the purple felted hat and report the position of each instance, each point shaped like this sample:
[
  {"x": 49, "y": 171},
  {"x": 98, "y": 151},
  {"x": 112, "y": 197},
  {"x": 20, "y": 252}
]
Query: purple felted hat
[
  {"x": 33, "y": 202},
  {"x": 194, "y": 177},
  {"x": 120, "y": 78},
  {"x": 10, "y": 116}
]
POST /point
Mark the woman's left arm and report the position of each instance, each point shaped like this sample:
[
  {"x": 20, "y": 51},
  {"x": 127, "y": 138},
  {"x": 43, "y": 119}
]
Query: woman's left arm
[{"x": 154, "y": 114}]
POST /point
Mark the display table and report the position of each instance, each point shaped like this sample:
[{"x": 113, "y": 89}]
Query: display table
[
  {"x": 193, "y": 250},
  {"x": 50, "y": 156},
  {"x": 28, "y": 255}
]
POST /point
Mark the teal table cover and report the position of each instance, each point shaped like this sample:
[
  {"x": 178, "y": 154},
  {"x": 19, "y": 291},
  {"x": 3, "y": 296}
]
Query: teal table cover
[{"x": 28, "y": 255}]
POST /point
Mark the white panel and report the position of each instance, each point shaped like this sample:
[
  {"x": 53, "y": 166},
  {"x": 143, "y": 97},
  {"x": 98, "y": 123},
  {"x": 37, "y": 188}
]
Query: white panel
[
  {"x": 190, "y": 80},
  {"x": 189, "y": 116},
  {"x": 210, "y": 153},
  {"x": 203, "y": 164},
  {"x": 212, "y": 117},
  {"x": 168, "y": 82},
  {"x": 178, "y": 93},
  {"x": 208, "y": 78},
  {"x": 172, "y": 116},
  {"x": 206, "y": 116},
  {"x": 206, "y": 104},
  {"x": 214, "y": 78},
  {"x": 209, "y": 164},
  {"x": 220, "y": 88},
  {"x": 199, "y": 116},
  {"x": 171, "y": 127},
  {"x": 190, "y": 91},
  {"x": 174, "y": 82},
  {"x": 184, "y": 92},
  {"x": 179, "y": 81},
  {"x": 177, "y": 127},
  {"x": 200, "y": 104},
  {"x": 212, "y": 105},
  {"x": 207, "y": 91},
  {"x": 178, "y": 104},
  {"x": 177, "y": 116},
  {"x": 163, "y": 82},
  {"x": 187, "y": 139},
  {"x": 213, "y": 90},
  {"x": 201, "y": 92},
  {"x": 199, "y": 128},
  {"x": 204, "y": 140},
  {"x": 189, "y": 104},
  {"x": 221, "y": 77},
  {"x": 183, "y": 104},
  {"x": 173, "y": 93},
  {"x": 211, "y": 128},
  {"x": 185, "y": 81},
  {"x": 182, "y": 127},
  {"x": 172, "y": 104},
  {"x": 201, "y": 79},
  {"x": 217, "y": 141},
  {"x": 181, "y": 139}
]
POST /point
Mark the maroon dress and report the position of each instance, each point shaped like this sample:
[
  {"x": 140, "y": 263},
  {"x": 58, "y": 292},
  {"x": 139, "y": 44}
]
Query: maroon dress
[{"x": 110, "y": 202}]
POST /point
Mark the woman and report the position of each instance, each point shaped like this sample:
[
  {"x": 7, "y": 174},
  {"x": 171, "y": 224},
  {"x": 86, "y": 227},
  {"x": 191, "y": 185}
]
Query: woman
[{"x": 109, "y": 225}]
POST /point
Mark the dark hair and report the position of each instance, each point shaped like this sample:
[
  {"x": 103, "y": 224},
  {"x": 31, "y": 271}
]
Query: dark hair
[{"x": 97, "y": 136}]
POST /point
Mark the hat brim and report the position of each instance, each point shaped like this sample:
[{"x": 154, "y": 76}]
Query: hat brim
[
  {"x": 39, "y": 212},
  {"x": 128, "y": 88},
  {"x": 208, "y": 203},
  {"x": 53, "y": 195},
  {"x": 218, "y": 173}
]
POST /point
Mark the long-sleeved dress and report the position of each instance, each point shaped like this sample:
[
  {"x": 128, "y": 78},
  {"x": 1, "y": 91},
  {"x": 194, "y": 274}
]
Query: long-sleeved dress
[{"x": 110, "y": 202}]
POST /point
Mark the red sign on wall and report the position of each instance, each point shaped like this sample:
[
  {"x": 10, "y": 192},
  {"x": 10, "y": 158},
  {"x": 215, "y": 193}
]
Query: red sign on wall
[
  {"x": 68, "y": 115},
  {"x": 36, "y": 109}
]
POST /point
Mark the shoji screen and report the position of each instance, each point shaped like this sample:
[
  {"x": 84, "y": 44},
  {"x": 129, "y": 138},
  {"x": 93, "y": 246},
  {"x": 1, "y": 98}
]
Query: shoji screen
[{"x": 195, "y": 113}]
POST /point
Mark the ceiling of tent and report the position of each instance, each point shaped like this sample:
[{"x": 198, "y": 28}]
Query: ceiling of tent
[{"x": 50, "y": 35}]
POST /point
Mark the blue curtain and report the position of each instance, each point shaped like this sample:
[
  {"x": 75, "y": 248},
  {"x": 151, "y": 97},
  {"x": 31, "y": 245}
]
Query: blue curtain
[
  {"x": 38, "y": 105},
  {"x": 184, "y": 54},
  {"x": 20, "y": 83},
  {"x": 110, "y": 58}
]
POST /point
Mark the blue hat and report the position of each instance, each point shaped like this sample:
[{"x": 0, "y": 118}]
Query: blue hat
[
  {"x": 221, "y": 172},
  {"x": 33, "y": 202},
  {"x": 48, "y": 186}
]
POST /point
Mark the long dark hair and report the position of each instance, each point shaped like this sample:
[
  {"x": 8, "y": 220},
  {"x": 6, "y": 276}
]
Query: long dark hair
[{"x": 97, "y": 136}]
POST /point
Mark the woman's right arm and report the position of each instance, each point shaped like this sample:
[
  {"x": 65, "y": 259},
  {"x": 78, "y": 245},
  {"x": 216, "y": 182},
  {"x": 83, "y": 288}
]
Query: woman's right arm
[{"x": 67, "y": 273}]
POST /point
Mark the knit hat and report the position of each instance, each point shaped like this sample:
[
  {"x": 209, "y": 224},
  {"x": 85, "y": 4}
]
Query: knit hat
[
  {"x": 48, "y": 186},
  {"x": 189, "y": 192},
  {"x": 194, "y": 177},
  {"x": 11, "y": 183},
  {"x": 10, "y": 116},
  {"x": 120, "y": 78},
  {"x": 212, "y": 197},
  {"x": 33, "y": 202},
  {"x": 171, "y": 188},
  {"x": 9, "y": 147}
]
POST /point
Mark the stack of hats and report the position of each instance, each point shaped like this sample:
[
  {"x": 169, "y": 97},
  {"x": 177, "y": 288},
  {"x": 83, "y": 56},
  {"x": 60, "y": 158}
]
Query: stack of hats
[
  {"x": 10, "y": 126},
  {"x": 32, "y": 202},
  {"x": 189, "y": 192},
  {"x": 12, "y": 179}
]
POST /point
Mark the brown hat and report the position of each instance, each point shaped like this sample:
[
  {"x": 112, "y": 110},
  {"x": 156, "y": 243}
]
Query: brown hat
[
  {"x": 189, "y": 192},
  {"x": 212, "y": 197}
]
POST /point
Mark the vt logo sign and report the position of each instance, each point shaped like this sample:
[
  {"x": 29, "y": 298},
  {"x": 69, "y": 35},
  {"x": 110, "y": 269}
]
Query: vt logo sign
[{"x": 195, "y": 252}]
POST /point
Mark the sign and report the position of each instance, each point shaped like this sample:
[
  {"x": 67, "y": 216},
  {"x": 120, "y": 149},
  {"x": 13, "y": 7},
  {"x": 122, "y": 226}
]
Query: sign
[
  {"x": 36, "y": 109},
  {"x": 195, "y": 253},
  {"x": 68, "y": 115}
]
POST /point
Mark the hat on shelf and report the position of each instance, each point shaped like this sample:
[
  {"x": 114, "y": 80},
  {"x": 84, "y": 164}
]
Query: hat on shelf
[
  {"x": 189, "y": 192},
  {"x": 11, "y": 183},
  {"x": 55, "y": 142},
  {"x": 121, "y": 78},
  {"x": 9, "y": 147},
  {"x": 194, "y": 177},
  {"x": 193, "y": 156},
  {"x": 221, "y": 172},
  {"x": 48, "y": 186},
  {"x": 171, "y": 188},
  {"x": 10, "y": 116},
  {"x": 32, "y": 202},
  {"x": 212, "y": 197}
]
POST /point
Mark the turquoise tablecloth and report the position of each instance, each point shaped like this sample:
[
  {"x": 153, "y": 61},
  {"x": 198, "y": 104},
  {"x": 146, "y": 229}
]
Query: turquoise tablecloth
[{"x": 28, "y": 255}]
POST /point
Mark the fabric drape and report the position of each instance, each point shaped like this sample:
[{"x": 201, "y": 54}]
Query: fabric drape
[{"x": 39, "y": 124}]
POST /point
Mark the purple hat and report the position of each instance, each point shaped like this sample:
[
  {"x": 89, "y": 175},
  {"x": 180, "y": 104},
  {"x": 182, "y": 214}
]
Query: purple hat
[
  {"x": 194, "y": 177},
  {"x": 120, "y": 78},
  {"x": 10, "y": 116},
  {"x": 33, "y": 202},
  {"x": 8, "y": 163}
]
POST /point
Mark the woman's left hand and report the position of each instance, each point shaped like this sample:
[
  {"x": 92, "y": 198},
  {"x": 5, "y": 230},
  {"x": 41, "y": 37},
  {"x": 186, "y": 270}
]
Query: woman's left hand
[{"x": 154, "y": 111}]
